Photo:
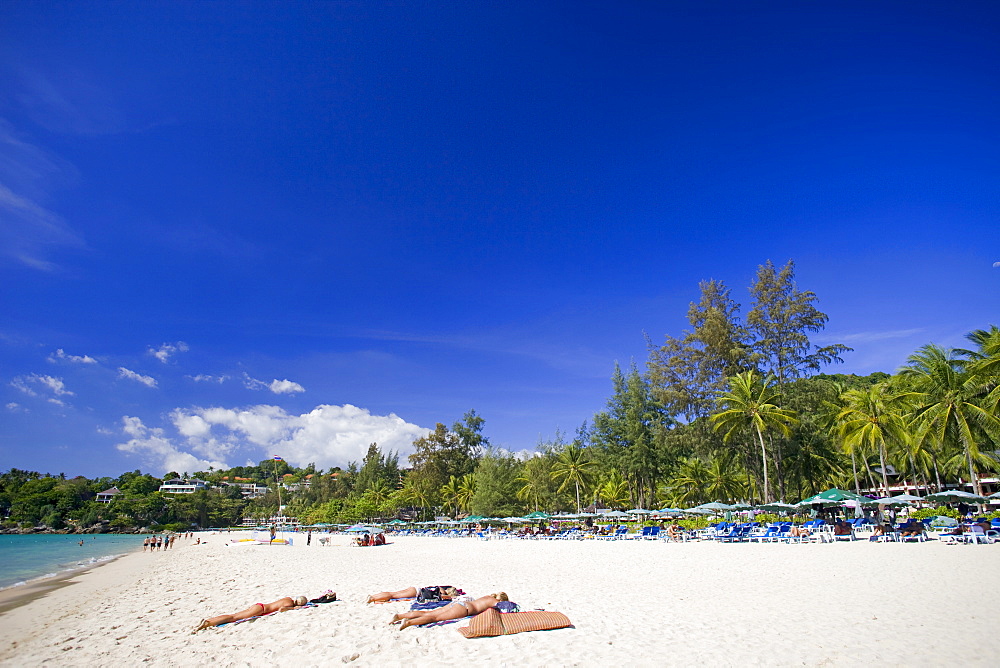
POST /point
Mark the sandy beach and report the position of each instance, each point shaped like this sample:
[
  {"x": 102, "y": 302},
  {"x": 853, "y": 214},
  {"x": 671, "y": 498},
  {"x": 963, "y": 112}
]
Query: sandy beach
[{"x": 644, "y": 602}]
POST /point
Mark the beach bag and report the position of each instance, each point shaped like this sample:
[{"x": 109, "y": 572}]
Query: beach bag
[
  {"x": 507, "y": 606},
  {"x": 430, "y": 593}
]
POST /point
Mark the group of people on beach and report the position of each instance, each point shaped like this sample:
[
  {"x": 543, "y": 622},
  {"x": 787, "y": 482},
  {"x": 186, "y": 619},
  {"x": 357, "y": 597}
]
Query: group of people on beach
[
  {"x": 453, "y": 603},
  {"x": 155, "y": 543}
]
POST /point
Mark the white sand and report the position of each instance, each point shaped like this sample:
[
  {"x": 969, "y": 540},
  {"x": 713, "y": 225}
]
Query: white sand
[{"x": 639, "y": 602}]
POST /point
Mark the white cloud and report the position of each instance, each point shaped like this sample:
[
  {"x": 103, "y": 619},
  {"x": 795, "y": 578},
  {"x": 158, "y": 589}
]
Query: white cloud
[
  {"x": 60, "y": 354},
  {"x": 148, "y": 381},
  {"x": 15, "y": 407},
  {"x": 166, "y": 350},
  {"x": 34, "y": 383},
  {"x": 285, "y": 387},
  {"x": 158, "y": 450},
  {"x": 327, "y": 435},
  {"x": 276, "y": 386},
  {"x": 203, "y": 378}
]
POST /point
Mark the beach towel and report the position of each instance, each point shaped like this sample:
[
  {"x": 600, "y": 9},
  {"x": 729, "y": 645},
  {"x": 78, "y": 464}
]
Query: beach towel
[
  {"x": 492, "y": 623},
  {"x": 428, "y": 605}
]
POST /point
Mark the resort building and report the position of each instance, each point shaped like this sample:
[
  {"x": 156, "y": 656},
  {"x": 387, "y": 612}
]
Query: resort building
[
  {"x": 183, "y": 486},
  {"x": 108, "y": 495}
]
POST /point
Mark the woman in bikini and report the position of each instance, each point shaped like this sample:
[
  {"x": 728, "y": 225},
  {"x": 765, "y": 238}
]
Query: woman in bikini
[
  {"x": 255, "y": 610},
  {"x": 460, "y": 606},
  {"x": 445, "y": 593}
]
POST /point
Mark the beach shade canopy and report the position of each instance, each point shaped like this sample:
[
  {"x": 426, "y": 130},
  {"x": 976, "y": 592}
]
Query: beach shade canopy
[
  {"x": 359, "y": 528},
  {"x": 639, "y": 511},
  {"x": 714, "y": 507},
  {"x": 741, "y": 506},
  {"x": 397, "y": 521},
  {"x": 955, "y": 496},
  {"x": 778, "y": 506},
  {"x": 900, "y": 500},
  {"x": 834, "y": 496},
  {"x": 537, "y": 515},
  {"x": 699, "y": 511},
  {"x": 669, "y": 511},
  {"x": 472, "y": 518},
  {"x": 513, "y": 519},
  {"x": 995, "y": 495},
  {"x": 615, "y": 513}
]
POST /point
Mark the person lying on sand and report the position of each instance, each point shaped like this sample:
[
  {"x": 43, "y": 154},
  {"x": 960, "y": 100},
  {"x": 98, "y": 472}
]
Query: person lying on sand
[
  {"x": 255, "y": 610},
  {"x": 444, "y": 593},
  {"x": 461, "y": 606}
]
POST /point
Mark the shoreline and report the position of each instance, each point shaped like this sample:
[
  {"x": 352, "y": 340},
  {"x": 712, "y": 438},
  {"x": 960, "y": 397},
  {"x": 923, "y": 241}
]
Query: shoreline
[
  {"x": 841, "y": 604},
  {"x": 20, "y": 593}
]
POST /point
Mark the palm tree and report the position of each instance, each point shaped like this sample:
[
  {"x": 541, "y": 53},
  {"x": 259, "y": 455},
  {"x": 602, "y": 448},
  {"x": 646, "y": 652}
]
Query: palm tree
[
  {"x": 451, "y": 492},
  {"x": 688, "y": 486},
  {"x": 614, "y": 490},
  {"x": 752, "y": 403},
  {"x": 573, "y": 465},
  {"x": 531, "y": 485},
  {"x": 723, "y": 481},
  {"x": 466, "y": 490},
  {"x": 868, "y": 421},
  {"x": 947, "y": 392}
]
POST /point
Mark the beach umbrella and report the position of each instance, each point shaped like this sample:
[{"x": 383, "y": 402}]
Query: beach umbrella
[
  {"x": 669, "y": 511},
  {"x": 834, "y": 496},
  {"x": 896, "y": 500},
  {"x": 955, "y": 496},
  {"x": 615, "y": 513},
  {"x": 396, "y": 522},
  {"x": 741, "y": 506},
  {"x": 537, "y": 515},
  {"x": 639, "y": 511},
  {"x": 359, "y": 528},
  {"x": 698, "y": 511},
  {"x": 995, "y": 495},
  {"x": 714, "y": 507}
]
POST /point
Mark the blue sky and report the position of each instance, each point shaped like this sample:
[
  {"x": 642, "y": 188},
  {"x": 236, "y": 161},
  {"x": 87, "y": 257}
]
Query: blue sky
[{"x": 235, "y": 230}]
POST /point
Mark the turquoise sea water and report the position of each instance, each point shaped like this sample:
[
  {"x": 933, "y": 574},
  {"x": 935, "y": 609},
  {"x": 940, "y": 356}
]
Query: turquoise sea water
[{"x": 24, "y": 558}]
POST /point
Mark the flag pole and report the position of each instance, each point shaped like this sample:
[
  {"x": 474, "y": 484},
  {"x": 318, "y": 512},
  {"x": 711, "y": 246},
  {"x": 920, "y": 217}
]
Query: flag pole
[{"x": 277, "y": 484}]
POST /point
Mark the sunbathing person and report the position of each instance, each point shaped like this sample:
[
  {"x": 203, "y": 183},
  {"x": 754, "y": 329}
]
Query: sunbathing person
[
  {"x": 675, "y": 532},
  {"x": 843, "y": 528},
  {"x": 914, "y": 529},
  {"x": 255, "y": 610},
  {"x": 461, "y": 606},
  {"x": 446, "y": 593},
  {"x": 797, "y": 531}
]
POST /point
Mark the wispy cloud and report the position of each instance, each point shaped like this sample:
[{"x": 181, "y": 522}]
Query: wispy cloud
[
  {"x": 28, "y": 230},
  {"x": 61, "y": 355},
  {"x": 148, "y": 381},
  {"x": 851, "y": 338},
  {"x": 276, "y": 386},
  {"x": 38, "y": 385},
  {"x": 168, "y": 350},
  {"x": 205, "y": 378}
]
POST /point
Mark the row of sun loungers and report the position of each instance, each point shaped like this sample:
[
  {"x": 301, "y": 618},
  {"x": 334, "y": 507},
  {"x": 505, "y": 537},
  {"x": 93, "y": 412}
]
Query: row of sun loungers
[{"x": 724, "y": 532}]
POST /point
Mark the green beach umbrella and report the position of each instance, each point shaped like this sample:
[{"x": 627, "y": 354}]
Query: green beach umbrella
[
  {"x": 955, "y": 496},
  {"x": 833, "y": 496}
]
